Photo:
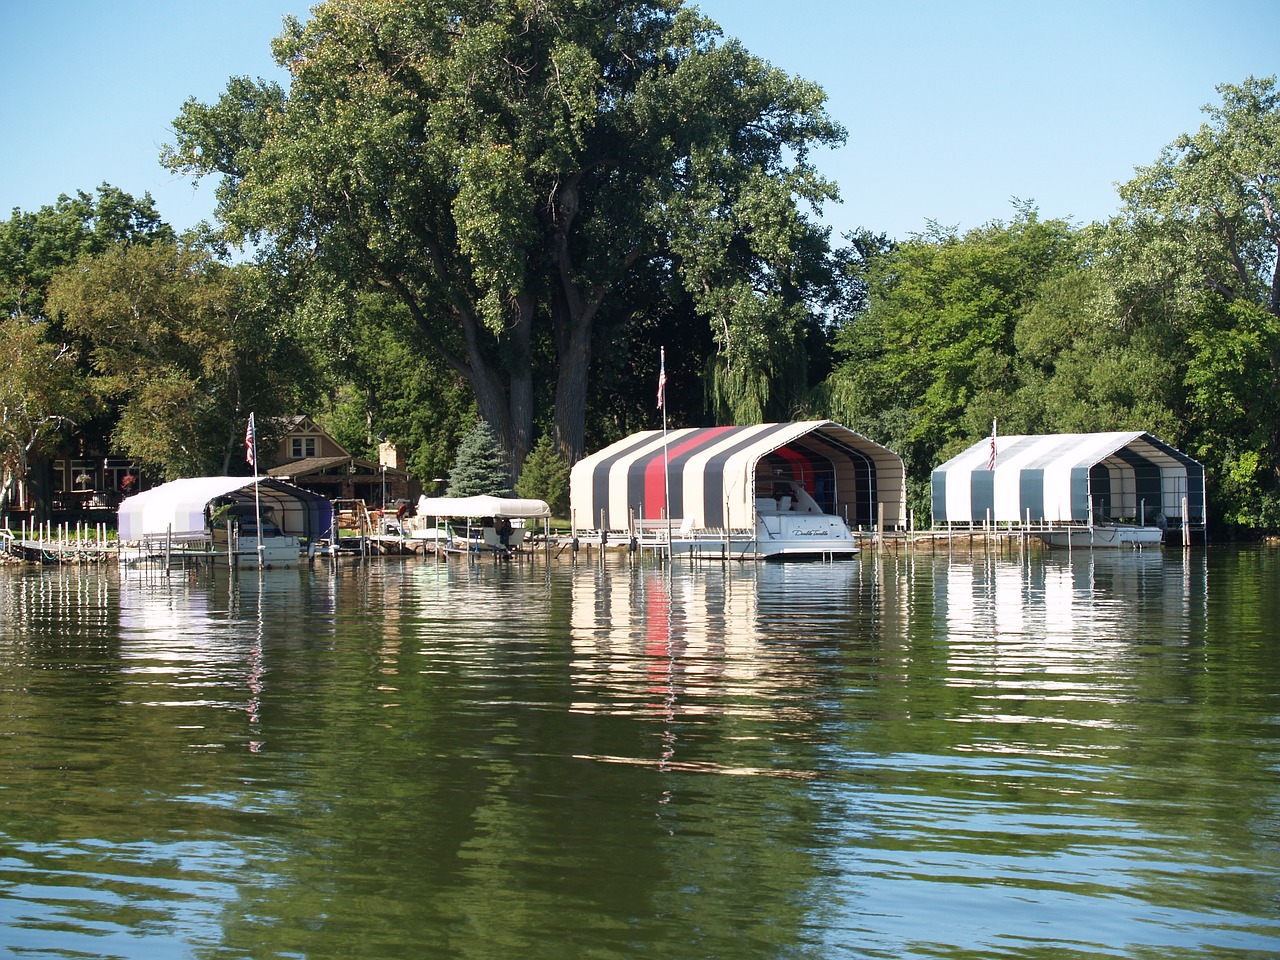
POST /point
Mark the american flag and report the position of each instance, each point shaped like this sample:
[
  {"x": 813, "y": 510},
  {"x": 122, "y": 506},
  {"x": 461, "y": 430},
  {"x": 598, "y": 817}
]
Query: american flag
[
  {"x": 250, "y": 444},
  {"x": 991, "y": 460},
  {"x": 662, "y": 377}
]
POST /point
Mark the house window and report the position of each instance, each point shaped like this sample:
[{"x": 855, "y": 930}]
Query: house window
[
  {"x": 300, "y": 447},
  {"x": 84, "y": 475}
]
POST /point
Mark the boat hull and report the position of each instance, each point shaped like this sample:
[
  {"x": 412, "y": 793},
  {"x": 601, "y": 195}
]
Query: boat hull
[
  {"x": 1104, "y": 537},
  {"x": 276, "y": 552},
  {"x": 811, "y": 536}
]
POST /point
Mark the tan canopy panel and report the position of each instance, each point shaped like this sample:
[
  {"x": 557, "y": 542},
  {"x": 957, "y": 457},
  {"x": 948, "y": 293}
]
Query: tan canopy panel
[
  {"x": 512, "y": 507},
  {"x": 710, "y": 477}
]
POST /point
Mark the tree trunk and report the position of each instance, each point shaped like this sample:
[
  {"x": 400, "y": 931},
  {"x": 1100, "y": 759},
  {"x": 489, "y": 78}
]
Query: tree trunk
[
  {"x": 504, "y": 387},
  {"x": 521, "y": 404},
  {"x": 573, "y": 350}
]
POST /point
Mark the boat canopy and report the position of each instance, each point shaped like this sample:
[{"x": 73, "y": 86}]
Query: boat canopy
[
  {"x": 1069, "y": 477},
  {"x": 714, "y": 475},
  {"x": 512, "y": 507},
  {"x": 181, "y": 507}
]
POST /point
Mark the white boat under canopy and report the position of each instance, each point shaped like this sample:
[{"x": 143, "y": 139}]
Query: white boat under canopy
[
  {"x": 1107, "y": 482},
  {"x": 196, "y": 510},
  {"x": 766, "y": 490}
]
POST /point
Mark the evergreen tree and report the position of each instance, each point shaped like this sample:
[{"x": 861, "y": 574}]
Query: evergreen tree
[
  {"x": 479, "y": 468},
  {"x": 545, "y": 476}
]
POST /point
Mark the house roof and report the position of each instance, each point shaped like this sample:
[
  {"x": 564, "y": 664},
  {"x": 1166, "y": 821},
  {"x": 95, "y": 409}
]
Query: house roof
[
  {"x": 1067, "y": 477},
  {"x": 707, "y": 477},
  {"x": 314, "y": 465},
  {"x": 309, "y": 465}
]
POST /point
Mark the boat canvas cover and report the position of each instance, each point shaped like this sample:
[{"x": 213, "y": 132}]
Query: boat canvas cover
[
  {"x": 1056, "y": 478},
  {"x": 482, "y": 506},
  {"x": 178, "y": 507},
  {"x": 710, "y": 475}
]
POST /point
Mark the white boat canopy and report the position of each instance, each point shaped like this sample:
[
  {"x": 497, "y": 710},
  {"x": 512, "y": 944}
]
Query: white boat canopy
[
  {"x": 511, "y": 507},
  {"x": 709, "y": 478},
  {"x": 1069, "y": 478},
  {"x": 181, "y": 507}
]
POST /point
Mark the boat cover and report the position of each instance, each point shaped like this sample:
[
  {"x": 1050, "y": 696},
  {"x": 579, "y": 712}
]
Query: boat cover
[
  {"x": 713, "y": 475},
  {"x": 512, "y": 507},
  {"x": 179, "y": 507},
  {"x": 1080, "y": 477}
]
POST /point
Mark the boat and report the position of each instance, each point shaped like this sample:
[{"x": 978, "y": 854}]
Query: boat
[
  {"x": 491, "y": 524},
  {"x": 254, "y": 543},
  {"x": 770, "y": 491},
  {"x": 1103, "y": 535},
  {"x": 789, "y": 526},
  {"x": 240, "y": 521}
]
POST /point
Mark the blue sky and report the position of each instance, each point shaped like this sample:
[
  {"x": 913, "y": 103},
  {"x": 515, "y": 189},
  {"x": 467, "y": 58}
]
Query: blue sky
[{"x": 952, "y": 108}]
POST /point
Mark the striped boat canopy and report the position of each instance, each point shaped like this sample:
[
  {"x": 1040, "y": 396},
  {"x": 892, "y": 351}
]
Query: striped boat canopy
[
  {"x": 713, "y": 476},
  {"x": 1069, "y": 477}
]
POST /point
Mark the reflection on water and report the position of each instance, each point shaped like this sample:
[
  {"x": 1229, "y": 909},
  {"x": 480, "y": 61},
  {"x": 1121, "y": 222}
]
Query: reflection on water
[{"x": 903, "y": 756}]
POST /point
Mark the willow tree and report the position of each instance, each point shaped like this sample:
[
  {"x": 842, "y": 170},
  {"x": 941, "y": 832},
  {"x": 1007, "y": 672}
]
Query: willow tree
[{"x": 513, "y": 169}]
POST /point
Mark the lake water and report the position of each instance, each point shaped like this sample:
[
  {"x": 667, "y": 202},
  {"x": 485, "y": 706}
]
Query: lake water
[{"x": 950, "y": 756}]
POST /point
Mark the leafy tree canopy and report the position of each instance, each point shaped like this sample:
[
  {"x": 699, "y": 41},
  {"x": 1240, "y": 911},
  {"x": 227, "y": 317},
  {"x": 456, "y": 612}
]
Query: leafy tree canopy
[
  {"x": 518, "y": 173},
  {"x": 938, "y": 332},
  {"x": 186, "y": 345},
  {"x": 42, "y": 392},
  {"x": 35, "y": 244}
]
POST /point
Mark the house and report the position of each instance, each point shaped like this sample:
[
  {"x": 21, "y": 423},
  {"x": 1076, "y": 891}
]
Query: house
[
  {"x": 310, "y": 458},
  {"x": 85, "y": 480}
]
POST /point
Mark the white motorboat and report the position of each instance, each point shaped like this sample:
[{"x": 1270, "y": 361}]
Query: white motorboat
[{"x": 1104, "y": 535}]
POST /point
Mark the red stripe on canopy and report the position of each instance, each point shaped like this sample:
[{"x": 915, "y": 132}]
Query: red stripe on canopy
[{"x": 655, "y": 491}]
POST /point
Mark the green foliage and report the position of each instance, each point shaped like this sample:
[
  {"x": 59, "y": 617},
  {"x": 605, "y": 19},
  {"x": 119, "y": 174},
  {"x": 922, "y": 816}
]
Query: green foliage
[
  {"x": 479, "y": 468},
  {"x": 933, "y": 355},
  {"x": 42, "y": 393},
  {"x": 389, "y": 383},
  {"x": 187, "y": 347},
  {"x": 526, "y": 177},
  {"x": 546, "y": 476},
  {"x": 1196, "y": 255},
  {"x": 34, "y": 245}
]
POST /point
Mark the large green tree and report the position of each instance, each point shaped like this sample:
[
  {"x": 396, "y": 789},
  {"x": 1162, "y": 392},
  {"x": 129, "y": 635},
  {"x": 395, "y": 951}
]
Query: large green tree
[
  {"x": 44, "y": 383},
  {"x": 517, "y": 171},
  {"x": 33, "y": 244},
  {"x": 931, "y": 357},
  {"x": 186, "y": 345},
  {"x": 391, "y": 385},
  {"x": 42, "y": 394}
]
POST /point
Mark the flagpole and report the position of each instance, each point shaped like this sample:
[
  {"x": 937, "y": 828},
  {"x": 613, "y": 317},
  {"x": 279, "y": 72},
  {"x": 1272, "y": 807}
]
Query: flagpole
[
  {"x": 666, "y": 476},
  {"x": 257, "y": 499}
]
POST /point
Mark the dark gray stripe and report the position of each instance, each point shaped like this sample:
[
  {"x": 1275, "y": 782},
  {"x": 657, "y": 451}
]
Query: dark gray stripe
[
  {"x": 982, "y": 494},
  {"x": 713, "y": 487},
  {"x": 600, "y": 474},
  {"x": 1031, "y": 494}
]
